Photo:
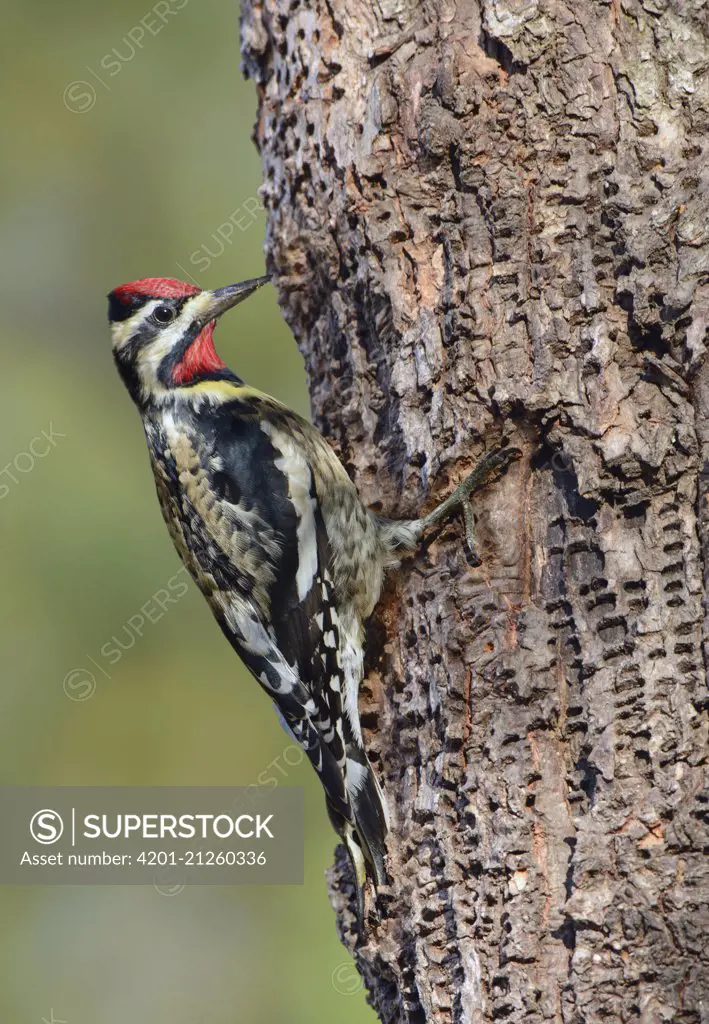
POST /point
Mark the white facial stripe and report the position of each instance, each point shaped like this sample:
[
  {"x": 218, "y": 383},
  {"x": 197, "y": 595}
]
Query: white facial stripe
[
  {"x": 151, "y": 356},
  {"x": 123, "y": 330},
  {"x": 168, "y": 338}
]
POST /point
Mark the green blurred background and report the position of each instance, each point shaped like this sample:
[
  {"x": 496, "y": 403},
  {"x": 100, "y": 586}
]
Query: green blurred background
[{"x": 125, "y": 152}]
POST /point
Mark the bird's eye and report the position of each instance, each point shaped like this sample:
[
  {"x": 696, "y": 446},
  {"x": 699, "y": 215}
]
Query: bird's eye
[{"x": 163, "y": 314}]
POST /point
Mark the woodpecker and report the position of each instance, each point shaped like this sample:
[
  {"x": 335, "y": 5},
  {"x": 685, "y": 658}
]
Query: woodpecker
[{"x": 273, "y": 532}]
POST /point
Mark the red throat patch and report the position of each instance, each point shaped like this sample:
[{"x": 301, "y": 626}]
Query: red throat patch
[{"x": 201, "y": 357}]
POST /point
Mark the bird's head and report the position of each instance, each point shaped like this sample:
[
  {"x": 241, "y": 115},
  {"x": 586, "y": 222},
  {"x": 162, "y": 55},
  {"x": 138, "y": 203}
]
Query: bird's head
[{"x": 162, "y": 331}]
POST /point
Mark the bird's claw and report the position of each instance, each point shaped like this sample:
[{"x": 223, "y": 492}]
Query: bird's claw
[
  {"x": 473, "y": 557},
  {"x": 496, "y": 462}
]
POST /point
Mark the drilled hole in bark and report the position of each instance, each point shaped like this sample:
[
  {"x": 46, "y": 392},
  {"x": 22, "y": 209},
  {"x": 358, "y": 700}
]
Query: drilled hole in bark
[
  {"x": 566, "y": 480},
  {"x": 567, "y": 934},
  {"x": 643, "y": 337},
  {"x": 673, "y": 586},
  {"x": 637, "y": 514},
  {"x": 589, "y": 778}
]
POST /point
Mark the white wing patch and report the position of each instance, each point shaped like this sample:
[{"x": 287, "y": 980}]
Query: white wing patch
[
  {"x": 242, "y": 619},
  {"x": 356, "y": 775},
  {"x": 352, "y": 670},
  {"x": 297, "y": 472}
]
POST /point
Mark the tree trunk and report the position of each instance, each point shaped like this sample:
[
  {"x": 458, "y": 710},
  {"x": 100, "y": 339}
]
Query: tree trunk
[{"x": 488, "y": 219}]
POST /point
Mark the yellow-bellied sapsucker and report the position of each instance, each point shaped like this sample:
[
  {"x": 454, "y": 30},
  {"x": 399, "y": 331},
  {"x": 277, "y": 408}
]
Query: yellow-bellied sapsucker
[{"x": 273, "y": 532}]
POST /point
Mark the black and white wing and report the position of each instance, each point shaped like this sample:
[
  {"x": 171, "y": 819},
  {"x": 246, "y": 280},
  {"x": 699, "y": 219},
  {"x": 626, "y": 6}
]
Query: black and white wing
[{"x": 275, "y": 600}]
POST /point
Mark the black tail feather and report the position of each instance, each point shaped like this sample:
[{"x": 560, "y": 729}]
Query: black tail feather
[{"x": 370, "y": 817}]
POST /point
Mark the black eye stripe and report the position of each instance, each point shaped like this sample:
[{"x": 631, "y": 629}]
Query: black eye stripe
[{"x": 124, "y": 308}]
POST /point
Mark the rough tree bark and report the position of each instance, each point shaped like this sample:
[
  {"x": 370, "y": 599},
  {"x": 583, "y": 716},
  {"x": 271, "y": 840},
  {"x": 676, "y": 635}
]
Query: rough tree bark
[{"x": 488, "y": 218}]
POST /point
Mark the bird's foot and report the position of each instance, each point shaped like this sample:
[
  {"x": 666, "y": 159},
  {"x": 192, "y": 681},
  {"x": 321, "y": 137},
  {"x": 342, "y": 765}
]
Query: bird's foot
[{"x": 491, "y": 465}]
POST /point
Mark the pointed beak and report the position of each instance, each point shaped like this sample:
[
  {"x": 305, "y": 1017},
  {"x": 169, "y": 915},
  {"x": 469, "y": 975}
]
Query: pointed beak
[{"x": 213, "y": 304}]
